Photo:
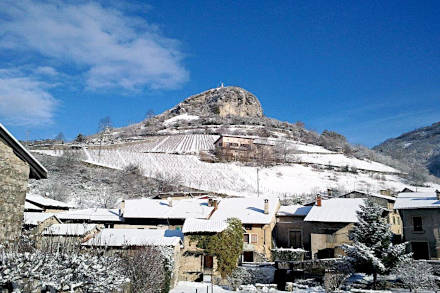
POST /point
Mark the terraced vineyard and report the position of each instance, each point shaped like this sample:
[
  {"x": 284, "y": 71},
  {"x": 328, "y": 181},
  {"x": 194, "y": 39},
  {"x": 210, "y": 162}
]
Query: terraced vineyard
[{"x": 174, "y": 144}]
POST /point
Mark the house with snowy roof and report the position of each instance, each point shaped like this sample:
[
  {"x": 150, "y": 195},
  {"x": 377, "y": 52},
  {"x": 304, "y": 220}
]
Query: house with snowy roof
[
  {"x": 258, "y": 216},
  {"x": 420, "y": 213},
  {"x": 17, "y": 166},
  {"x": 127, "y": 240},
  {"x": 164, "y": 214},
  {"x": 106, "y": 217},
  {"x": 48, "y": 205},
  {"x": 387, "y": 202},
  {"x": 243, "y": 148},
  {"x": 68, "y": 234},
  {"x": 36, "y": 222},
  {"x": 290, "y": 230},
  {"x": 196, "y": 263},
  {"x": 327, "y": 225}
]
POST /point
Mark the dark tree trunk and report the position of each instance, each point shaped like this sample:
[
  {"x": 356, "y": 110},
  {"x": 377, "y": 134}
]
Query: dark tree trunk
[{"x": 374, "y": 280}]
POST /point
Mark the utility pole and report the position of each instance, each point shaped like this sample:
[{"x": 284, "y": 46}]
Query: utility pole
[{"x": 258, "y": 182}]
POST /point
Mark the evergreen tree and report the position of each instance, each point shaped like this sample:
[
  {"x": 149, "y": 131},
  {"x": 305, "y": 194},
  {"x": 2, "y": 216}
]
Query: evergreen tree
[{"x": 372, "y": 251}]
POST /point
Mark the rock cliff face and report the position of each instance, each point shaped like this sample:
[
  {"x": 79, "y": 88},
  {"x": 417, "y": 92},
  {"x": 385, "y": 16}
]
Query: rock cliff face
[
  {"x": 418, "y": 147},
  {"x": 222, "y": 101}
]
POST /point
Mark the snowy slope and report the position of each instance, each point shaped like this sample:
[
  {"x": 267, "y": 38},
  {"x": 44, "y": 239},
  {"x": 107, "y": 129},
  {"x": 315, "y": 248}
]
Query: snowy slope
[{"x": 236, "y": 179}]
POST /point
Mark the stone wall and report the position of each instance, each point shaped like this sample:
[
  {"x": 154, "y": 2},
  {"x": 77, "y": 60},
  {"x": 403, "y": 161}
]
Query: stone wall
[{"x": 14, "y": 175}]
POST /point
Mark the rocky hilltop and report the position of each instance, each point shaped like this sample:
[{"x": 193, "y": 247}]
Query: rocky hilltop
[
  {"x": 418, "y": 147},
  {"x": 222, "y": 101}
]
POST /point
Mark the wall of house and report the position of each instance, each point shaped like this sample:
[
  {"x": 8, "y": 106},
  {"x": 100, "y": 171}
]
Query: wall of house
[
  {"x": 14, "y": 175},
  {"x": 286, "y": 224},
  {"x": 191, "y": 262},
  {"x": 327, "y": 235},
  {"x": 393, "y": 217},
  {"x": 431, "y": 229},
  {"x": 261, "y": 249}
]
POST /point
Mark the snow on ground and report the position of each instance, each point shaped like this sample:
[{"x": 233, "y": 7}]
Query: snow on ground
[
  {"x": 239, "y": 180},
  {"x": 341, "y": 160},
  {"x": 194, "y": 287},
  {"x": 174, "y": 144},
  {"x": 185, "y": 117}
]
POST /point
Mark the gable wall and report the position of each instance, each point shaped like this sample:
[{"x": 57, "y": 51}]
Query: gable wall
[{"x": 14, "y": 174}]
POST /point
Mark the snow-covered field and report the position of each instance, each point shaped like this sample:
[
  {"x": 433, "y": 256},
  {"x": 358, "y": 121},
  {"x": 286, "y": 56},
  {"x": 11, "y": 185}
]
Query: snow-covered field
[
  {"x": 239, "y": 180},
  {"x": 340, "y": 160},
  {"x": 174, "y": 144}
]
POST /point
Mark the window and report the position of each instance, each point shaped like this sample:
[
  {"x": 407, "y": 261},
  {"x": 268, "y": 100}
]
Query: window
[
  {"x": 295, "y": 239},
  {"x": 420, "y": 250},
  {"x": 248, "y": 256},
  {"x": 417, "y": 224},
  {"x": 250, "y": 238},
  {"x": 394, "y": 220},
  {"x": 248, "y": 227}
]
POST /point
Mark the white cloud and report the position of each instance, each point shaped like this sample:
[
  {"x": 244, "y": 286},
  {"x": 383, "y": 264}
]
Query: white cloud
[
  {"x": 25, "y": 101},
  {"x": 46, "y": 70},
  {"x": 111, "y": 48}
]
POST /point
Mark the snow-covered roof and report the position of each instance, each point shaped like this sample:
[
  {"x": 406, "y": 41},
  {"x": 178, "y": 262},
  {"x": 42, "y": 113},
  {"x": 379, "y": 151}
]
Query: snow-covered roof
[
  {"x": 135, "y": 237},
  {"x": 30, "y": 206},
  {"x": 248, "y": 210},
  {"x": 192, "y": 225},
  {"x": 294, "y": 210},
  {"x": 35, "y": 218},
  {"x": 378, "y": 195},
  {"x": 336, "y": 210},
  {"x": 46, "y": 202},
  {"x": 417, "y": 200},
  {"x": 91, "y": 215},
  {"x": 161, "y": 209},
  {"x": 69, "y": 229}
]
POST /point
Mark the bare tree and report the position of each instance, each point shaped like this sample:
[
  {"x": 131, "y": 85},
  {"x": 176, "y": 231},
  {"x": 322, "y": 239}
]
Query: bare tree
[{"x": 147, "y": 270}]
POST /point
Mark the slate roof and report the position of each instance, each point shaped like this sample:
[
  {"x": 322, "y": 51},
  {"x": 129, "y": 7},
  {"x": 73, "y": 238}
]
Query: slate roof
[
  {"x": 161, "y": 209},
  {"x": 417, "y": 200},
  {"x": 35, "y": 218},
  {"x": 135, "y": 237},
  {"x": 46, "y": 202},
  {"x": 335, "y": 210},
  {"x": 203, "y": 226},
  {"x": 91, "y": 215},
  {"x": 248, "y": 210},
  {"x": 69, "y": 229},
  {"x": 294, "y": 210}
]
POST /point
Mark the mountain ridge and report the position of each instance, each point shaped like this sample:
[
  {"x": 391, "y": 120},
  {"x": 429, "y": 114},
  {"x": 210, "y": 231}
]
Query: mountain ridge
[{"x": 419, "y": 147}]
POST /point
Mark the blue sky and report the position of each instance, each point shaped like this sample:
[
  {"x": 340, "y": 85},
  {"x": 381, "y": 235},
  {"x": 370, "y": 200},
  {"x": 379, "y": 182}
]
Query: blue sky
[{"x": 367, "y": 69}]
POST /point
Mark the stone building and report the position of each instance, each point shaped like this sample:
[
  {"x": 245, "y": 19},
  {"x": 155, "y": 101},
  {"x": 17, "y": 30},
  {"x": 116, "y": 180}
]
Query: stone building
[
  {"x": 244, "y": 148},
  {"x": 390, "y": 213},
  {"x": 196, "y": 264},
  {"x": 290, "y": 231},
  {"x": 328, "y": 223},
  {"x": 420, "y": 212},
  {"x": 258, "y": 216},
  {"x": 17, "y": 165}
]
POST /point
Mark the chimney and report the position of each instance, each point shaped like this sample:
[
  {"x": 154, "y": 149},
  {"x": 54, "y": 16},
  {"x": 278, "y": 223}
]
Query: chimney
[
  {"x": 215, "y": 204},
  {"x": 329, "y": 192},
  {"x": 266, "y": 206},
  {"x": 170, "y": 202},
  {"x": 438, "y": 194},
  {"x": 122, "y": 208},
  {"x": 318, "y": 200}
]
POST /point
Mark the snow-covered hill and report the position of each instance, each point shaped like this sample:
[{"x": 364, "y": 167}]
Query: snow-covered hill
[{"x": 175, "y": 156}]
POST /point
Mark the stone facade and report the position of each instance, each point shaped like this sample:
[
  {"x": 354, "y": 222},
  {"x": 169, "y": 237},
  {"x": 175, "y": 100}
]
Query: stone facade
[{"x": 14, "y": 174}]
